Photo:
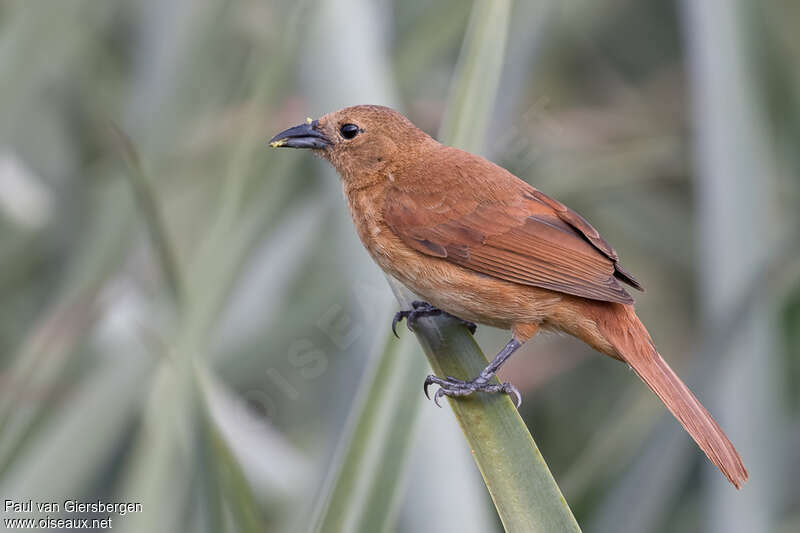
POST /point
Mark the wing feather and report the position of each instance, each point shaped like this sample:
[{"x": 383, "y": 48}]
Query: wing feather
[{"x": 513, "y": 232}]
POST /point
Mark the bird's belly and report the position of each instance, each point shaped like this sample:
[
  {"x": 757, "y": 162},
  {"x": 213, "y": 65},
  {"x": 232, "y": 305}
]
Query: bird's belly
[{"x": 462, "y": 292}]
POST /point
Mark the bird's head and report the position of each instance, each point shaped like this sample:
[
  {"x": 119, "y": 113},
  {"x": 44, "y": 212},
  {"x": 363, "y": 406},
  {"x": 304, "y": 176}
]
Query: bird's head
[{"x": 360, "y": 141}]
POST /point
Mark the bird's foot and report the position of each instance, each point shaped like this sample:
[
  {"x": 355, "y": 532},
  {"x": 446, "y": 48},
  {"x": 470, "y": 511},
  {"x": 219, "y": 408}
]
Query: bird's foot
[
  {"x": 420, "y": 309},
  {"x": 454, "y": 388}
]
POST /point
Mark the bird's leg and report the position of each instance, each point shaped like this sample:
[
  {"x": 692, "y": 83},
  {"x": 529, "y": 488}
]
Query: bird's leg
[
  {"x": 453, "y": 387},
  {"x": 419, "y": 309}
]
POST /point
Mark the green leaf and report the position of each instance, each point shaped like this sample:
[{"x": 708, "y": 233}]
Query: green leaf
[
  {"x": 522, "y": 488},
  {"x": 225, "y": 469},
  {"x": 152, "y": 213},
  {"x": 477, "y": 76},
  {"x": 363, "y": 493}
]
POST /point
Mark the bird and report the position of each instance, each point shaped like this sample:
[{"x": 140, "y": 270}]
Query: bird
[{"x": 474, "y": 241}]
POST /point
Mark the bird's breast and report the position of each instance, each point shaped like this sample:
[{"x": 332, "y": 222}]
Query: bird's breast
[{"x": 366, "y": 210}]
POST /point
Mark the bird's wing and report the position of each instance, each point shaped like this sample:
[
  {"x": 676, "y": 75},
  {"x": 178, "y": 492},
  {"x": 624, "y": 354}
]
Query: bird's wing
[{"x": 502, "y": 227}]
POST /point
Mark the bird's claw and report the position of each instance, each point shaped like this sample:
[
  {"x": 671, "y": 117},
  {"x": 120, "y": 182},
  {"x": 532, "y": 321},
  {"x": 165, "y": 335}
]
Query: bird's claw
[
  {"x": 398, "y": 316},
  {"x": 439, "y": 394},
  {"x": 455, "y": 388},
  {"x": 420, "y": 309},
  {"x": 511, "y": 390},
  {"x": 428, "y": 381}
]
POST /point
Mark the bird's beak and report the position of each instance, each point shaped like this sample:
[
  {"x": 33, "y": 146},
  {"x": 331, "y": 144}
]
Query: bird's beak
[{"x": 302, "y": 136}]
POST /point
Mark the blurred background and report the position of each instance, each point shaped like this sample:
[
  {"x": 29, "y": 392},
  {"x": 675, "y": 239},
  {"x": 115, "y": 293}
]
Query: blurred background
[{"x": 188, "y": 320}]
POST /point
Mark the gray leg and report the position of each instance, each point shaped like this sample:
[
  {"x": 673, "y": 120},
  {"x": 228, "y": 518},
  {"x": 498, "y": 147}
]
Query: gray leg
[{"x": 453, "y": 387}]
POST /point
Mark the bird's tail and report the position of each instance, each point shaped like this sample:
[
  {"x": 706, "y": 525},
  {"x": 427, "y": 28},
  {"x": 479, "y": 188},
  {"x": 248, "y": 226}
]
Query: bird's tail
[{"x": 630, "y": 340}]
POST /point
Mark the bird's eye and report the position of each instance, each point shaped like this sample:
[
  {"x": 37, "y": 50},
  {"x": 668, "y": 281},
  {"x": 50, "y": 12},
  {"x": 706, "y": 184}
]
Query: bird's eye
[{"x": 348, "y": 131}]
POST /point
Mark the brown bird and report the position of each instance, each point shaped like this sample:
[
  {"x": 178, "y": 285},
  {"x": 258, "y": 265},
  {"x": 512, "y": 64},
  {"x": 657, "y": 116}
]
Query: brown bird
[{"x": 473, "y": 240}]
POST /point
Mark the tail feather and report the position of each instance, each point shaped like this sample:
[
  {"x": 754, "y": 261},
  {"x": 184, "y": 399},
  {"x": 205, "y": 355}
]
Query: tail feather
[{"x": 632, "y": 343}]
